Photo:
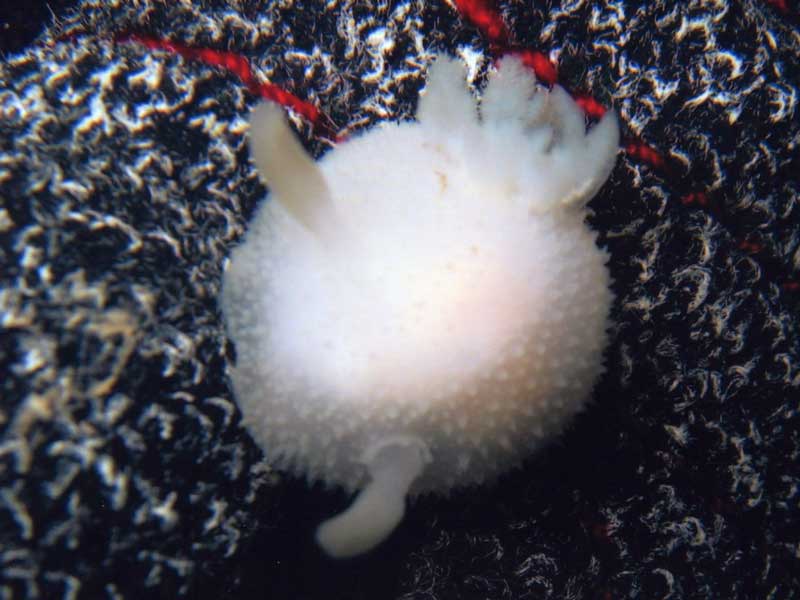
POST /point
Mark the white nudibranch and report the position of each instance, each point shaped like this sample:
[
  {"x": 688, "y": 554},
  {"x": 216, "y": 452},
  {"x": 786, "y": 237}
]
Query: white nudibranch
[{"x": 425, "y": 306}]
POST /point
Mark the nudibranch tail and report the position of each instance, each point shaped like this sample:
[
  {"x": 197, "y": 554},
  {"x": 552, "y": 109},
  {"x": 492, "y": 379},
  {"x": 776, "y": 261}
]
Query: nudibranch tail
[
  {"x": 393, "y": 465},
  {"x": 295, "y": 180}
]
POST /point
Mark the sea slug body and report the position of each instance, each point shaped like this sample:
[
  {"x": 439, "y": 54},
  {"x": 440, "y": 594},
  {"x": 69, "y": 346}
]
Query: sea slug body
[{"x": 425, "y": 306}]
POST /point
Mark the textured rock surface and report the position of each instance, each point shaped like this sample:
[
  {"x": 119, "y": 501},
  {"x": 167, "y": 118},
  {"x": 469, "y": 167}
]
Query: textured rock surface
[
  {"x": 124, "y": 180},
  {"x": 22, "y": 20}
]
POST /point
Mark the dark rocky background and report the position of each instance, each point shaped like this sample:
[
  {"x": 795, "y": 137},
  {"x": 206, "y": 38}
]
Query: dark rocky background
[
  {"x": 21, "y": 21},
  {"x": 125, "y": 180}
]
